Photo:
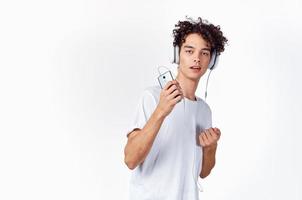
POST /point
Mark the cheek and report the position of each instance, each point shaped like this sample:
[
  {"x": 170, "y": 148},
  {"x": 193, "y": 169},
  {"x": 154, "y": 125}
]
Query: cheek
[
  {"x": 205, "y": 64},
  {"x": 205, "y": 61},
  {"x": 185, "y": 60}
]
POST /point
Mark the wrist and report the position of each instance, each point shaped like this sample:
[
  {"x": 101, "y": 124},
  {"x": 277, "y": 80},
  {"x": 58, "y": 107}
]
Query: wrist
[
  {"x": 159, "y": 113},
  {"x": 210, "y": 148}
]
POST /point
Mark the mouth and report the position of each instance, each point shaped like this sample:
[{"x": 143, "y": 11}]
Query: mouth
[{"x": 195, "y": 68}]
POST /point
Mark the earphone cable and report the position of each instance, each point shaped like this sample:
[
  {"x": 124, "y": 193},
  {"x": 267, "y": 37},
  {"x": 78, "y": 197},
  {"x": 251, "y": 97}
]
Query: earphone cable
[
  {"x": 160, "y": 67},
  {"x": 206, "y": 92}
]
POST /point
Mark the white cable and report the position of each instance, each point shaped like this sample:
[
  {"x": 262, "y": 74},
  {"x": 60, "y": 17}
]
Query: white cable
[
  {"x": 193, "y": 167},
  {"x": 159, "y": 67},
  {"x": 206, "y": 92},
  {"x": 195, "y": 178}
]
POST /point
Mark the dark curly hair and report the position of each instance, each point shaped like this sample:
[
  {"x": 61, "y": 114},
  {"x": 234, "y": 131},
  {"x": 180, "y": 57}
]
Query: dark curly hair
[{"x": 210, "y": 33}]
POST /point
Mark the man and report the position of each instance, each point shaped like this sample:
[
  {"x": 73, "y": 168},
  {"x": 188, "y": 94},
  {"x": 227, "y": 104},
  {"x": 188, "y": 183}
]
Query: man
[{"x": 171, "y": 141}]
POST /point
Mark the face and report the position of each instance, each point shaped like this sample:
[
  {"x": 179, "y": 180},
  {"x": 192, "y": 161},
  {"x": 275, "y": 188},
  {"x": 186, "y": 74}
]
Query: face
[{"x": 195, "y": 56}]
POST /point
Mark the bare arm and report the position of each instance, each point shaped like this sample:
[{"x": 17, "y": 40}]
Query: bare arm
[
  {"x": 208, "y": 160},
  {"x": 140, "y": 141},
  {"x": 208, "y": 140}
]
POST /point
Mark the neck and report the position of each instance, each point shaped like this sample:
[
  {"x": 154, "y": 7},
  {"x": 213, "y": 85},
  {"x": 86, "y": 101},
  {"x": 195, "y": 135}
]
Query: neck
[{"x": 188, "y": 86}]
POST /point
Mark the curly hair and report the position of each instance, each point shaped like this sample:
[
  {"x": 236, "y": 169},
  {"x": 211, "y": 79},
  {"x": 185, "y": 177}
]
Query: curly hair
[{"x": 210, "y": 33}]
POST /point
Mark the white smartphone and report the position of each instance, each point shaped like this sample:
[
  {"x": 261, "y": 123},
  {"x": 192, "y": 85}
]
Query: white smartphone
[{"x": 164, "y": 78}]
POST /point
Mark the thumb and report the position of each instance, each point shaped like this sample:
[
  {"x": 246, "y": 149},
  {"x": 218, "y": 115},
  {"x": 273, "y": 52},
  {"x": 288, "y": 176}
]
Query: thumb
[{"x": 217, "y": 131}]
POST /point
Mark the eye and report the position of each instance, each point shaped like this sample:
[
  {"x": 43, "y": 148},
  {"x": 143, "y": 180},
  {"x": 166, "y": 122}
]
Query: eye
[
  {"x": 189, "y": 51},
  {"x": 205, "y": 53}
]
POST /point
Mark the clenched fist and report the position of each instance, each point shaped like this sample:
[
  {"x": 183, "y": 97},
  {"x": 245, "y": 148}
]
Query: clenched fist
[{"x": 209, "y": 137}]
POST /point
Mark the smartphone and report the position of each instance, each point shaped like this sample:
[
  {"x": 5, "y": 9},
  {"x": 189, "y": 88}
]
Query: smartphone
[{"x": 164, "y": 78}]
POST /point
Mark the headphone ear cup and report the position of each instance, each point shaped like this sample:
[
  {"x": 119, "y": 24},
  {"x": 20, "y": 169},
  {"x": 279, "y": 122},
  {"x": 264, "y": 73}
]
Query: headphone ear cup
[
  {"x": 176, "y": 55},
  {"x": 214, "y": 60}
]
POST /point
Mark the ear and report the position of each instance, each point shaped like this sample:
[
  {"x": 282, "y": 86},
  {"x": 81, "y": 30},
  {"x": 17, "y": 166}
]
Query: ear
[{"x": 214, "y": 60}]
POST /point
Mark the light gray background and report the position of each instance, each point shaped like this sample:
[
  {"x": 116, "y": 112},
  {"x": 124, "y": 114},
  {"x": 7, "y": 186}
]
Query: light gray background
[{"x": 72, "y": 71}]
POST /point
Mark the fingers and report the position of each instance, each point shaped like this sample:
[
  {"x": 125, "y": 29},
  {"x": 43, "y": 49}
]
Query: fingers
[
  {"x": 177, "y": 99},
  {"x": 173, "y": 90},
  {"x": 218, "y": 133},
  {"x": 168, "y": 85},
  {"x": 174, "y": 94},
  {"x": 203, "y": 139},
  {"x": 213, "y": 135},
  {"x": 209, "y": 137}
]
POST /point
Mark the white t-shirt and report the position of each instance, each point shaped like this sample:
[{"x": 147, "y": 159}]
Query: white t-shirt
[{"x": 171, "y": 169}]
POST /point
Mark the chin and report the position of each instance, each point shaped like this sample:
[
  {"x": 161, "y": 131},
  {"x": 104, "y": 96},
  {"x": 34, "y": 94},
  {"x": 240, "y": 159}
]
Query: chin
[{"x": 194, "y": 78}]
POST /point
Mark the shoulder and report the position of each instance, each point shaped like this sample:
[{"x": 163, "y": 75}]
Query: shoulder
[
  {"x": 204, "y": 106},
  {"x": 150, "y": 95},
  {"x": 152, "y": 91}
]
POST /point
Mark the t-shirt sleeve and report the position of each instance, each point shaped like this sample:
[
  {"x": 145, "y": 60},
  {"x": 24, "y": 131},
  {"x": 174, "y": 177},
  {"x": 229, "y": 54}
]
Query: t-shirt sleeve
[
  {"x": 143, "y": 111},
  {"x": 207, "y": 117},
  {"x": 209, "y": 121}
]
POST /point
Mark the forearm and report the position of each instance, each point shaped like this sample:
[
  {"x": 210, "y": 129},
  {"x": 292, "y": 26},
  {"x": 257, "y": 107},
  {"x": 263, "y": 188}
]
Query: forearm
[
  {"x": 140, "y": 141},
  {"x": 208, "y": 160}
]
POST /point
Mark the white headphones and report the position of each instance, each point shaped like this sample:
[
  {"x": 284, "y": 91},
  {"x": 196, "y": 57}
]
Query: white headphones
[{"x": 213, "y": 62}]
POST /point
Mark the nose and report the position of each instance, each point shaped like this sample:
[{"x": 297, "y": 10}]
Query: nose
[{"x": 196, "y": 59}]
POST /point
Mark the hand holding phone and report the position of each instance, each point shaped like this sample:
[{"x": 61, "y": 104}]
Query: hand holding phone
[{"x": 170, "y": 95}]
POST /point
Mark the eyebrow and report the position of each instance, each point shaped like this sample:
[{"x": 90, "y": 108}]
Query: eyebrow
[{"x": 191, "y": 47}]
